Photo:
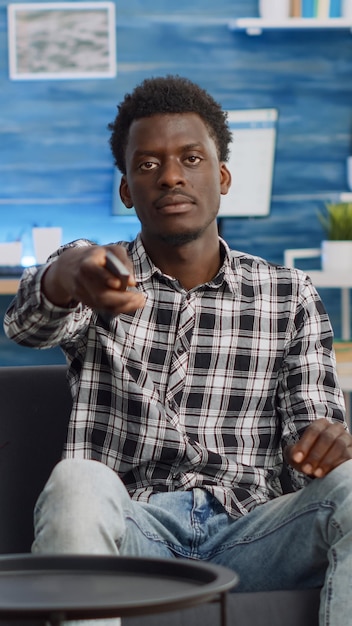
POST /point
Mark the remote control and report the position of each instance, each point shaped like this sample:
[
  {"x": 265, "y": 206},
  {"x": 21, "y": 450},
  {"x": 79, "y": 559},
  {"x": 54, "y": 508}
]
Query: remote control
[{"x": 116, "y": 267}]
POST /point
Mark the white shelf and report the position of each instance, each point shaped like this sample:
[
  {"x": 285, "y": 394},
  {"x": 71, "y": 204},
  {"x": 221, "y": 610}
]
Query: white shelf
[
  {"x": 329, "y": 279},
  {"x": 255, "y": 26},
  {"x": 341, "y": 281},
  {"x": 343, "y": 353},
  {"x": 345, "y": 383}
]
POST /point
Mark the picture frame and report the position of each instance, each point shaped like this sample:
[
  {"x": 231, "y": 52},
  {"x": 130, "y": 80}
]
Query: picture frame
[
  {"x": 251, "y": 163},
  {"x": 62, "y": 40}
]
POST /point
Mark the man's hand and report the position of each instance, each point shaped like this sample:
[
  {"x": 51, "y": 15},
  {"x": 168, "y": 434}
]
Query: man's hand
[
  {"x": 322, "y": 447},
  {"x": 80, "y": 275}
]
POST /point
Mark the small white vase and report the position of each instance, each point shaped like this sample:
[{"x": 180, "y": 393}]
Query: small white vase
[
  {"x": 11, "y": 253},
  {"x": 45, "y": 241},
  {"x": 346, "y": 9},
  {"x": 336, "y": 256},
  {"x": 274, "y": 9}
]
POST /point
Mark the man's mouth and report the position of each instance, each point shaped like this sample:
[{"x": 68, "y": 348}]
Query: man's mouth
[{"x": 174, "y": 203}]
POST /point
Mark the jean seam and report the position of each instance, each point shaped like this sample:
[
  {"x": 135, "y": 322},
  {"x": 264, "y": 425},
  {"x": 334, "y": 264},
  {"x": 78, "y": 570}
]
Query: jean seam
[
  {"x": 329, "y": 590},
  {"x": 176, "y": 549},
  {"x": 253, "y": 538},
  {"x": 196, "y": 531}
]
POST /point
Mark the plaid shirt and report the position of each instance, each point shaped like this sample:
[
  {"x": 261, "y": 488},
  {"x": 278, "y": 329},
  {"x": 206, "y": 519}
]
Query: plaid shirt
[{"x": 200, "y": 388}]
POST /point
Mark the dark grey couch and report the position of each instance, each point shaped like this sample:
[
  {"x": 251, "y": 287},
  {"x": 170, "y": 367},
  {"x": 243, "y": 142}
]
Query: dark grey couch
[{"x": 34, "y": 410}]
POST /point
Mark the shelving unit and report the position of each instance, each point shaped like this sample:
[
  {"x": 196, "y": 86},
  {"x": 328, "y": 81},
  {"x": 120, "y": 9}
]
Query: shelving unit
[
  {"x": 255, "y": 26},
  {"x": 342, "y": 281}
]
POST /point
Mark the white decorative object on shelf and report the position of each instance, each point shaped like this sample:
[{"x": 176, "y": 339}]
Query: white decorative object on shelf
[
  {"x": 11, "y": 253},
  {"x": 274, "y": 9},
  {"x": 347, "y": 8},
  {"x": 45, "y": 241}
]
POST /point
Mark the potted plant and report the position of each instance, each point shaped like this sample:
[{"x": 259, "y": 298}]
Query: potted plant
[{"x": 336, "y": 221}]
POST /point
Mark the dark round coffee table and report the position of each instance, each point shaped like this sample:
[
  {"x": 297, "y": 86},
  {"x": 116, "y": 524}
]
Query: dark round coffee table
[{"x": 57, "y": 588}]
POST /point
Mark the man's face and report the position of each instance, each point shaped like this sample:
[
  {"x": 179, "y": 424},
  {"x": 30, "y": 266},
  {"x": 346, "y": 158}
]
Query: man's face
[{"x": 173, "y": 177}]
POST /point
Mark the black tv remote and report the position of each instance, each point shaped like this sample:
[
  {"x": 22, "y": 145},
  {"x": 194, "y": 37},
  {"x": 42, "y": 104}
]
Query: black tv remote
[{"x": 117, "y": 268}]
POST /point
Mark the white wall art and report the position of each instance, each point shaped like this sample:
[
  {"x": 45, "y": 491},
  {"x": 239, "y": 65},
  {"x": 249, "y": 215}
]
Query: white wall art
[{"x": 62, "y": 40}]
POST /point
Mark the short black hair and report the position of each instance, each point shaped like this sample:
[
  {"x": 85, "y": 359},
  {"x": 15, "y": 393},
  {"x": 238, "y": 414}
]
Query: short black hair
[{"x": 168, "y": 94}]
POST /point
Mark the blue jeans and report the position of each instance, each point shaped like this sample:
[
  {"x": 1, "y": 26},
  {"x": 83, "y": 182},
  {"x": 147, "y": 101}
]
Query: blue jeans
[{"x": 296, "y": 541}]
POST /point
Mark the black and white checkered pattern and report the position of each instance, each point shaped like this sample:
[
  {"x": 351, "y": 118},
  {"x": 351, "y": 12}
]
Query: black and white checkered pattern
[{"x": 198, "y": 388}]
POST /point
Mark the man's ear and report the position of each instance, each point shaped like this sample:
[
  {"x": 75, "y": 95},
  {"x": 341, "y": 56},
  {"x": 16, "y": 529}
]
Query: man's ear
[
  {"x": 125, "y": 193},
  {"x": 225, "y": 179}
]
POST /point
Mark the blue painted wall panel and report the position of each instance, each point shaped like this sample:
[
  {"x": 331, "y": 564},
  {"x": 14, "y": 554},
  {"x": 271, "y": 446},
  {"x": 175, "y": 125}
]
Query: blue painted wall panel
[{"x": 55, "y": 162}]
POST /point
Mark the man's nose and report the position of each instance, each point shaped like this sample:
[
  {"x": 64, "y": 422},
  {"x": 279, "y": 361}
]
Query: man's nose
[{"x": 171, "y": 173}]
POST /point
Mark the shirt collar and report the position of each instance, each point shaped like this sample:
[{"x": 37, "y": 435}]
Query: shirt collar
[{"x": 145, "y": 268}]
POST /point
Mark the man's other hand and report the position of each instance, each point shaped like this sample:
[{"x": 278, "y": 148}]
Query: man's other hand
[{"x": 322, "y": 447}]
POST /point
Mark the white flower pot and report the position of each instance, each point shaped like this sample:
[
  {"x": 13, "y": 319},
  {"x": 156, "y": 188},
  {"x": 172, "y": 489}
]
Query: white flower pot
[{"x": 336, "y": 256}]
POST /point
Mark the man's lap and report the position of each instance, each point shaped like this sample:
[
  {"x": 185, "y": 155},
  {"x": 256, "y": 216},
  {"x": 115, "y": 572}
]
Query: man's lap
[{"x": 282, "y": 544}]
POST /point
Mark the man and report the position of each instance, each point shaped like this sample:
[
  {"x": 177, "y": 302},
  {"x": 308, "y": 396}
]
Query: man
[{"x": 188, "y": 384}]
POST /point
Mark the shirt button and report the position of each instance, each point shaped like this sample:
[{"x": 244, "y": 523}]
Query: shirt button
[{"x": 180, "y": 351}]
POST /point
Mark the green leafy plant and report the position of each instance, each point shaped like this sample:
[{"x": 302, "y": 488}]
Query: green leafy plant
[{"x": 336, "y": 221}]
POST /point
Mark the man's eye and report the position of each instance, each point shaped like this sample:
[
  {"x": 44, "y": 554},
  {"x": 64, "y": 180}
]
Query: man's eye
[
  {"x": 148, "y": 165},
  {"x": 193, "y": 159}
]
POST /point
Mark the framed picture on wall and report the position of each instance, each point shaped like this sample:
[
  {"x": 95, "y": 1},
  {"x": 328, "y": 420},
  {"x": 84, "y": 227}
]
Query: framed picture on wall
[
  {"x": 251, "y": 163},
  {"x": 62, "y": 40}
]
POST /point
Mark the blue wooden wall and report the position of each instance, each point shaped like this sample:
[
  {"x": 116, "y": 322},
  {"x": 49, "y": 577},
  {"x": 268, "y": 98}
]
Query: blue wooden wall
[{"x": 55, "y": 163}]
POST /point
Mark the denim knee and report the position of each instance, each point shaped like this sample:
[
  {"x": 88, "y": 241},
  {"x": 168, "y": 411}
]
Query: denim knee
[
  {"x": 73, "y": 481},
  {"x": 81, "y": 509}
]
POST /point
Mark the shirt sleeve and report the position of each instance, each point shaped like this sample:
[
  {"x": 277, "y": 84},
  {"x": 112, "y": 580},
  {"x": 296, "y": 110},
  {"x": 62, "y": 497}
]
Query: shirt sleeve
[
  {"x": 308, "y": 386},
  {"x": 32, "y": 320}
]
